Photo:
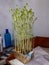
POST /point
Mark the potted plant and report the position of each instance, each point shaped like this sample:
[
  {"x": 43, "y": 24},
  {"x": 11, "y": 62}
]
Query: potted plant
[{"x": 23, "y": 20}]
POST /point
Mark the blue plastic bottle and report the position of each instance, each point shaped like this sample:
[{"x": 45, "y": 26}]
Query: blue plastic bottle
[{"x": 7, "y": 37}]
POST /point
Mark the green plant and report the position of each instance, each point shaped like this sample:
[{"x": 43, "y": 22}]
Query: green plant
[{"x": 23, "y": 21}]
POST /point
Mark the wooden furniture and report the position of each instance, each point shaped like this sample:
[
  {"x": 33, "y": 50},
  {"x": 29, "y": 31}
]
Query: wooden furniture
[{"x": 39, "y": 41}]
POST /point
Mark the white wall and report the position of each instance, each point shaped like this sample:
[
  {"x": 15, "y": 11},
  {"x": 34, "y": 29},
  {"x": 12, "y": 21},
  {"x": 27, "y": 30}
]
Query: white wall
[
  {"x": 40, "y": 7},
  {"x": 41, "y": 26}
]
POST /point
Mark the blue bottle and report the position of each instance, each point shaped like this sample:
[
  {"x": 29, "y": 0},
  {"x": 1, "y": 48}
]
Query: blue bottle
[{"x": 7, "y": 37}]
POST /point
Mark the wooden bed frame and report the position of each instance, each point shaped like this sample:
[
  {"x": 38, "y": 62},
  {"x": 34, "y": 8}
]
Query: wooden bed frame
[{"x": 41, "y": 41}]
